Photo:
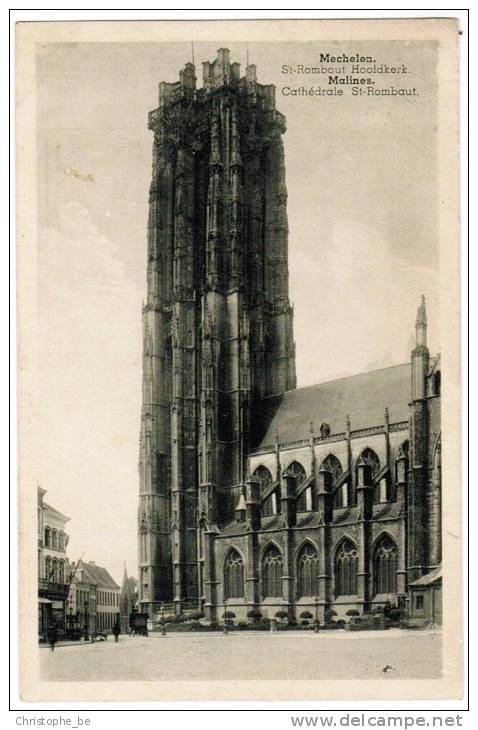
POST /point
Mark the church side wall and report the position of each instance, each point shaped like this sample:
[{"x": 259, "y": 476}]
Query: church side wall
[{"x": 387, "y": 521}]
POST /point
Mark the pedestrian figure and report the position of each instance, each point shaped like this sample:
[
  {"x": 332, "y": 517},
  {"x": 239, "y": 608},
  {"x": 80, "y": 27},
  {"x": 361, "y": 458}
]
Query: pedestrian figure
[
  {"x": 52, "y": 634},
  {"x": 116, "y": 631}
]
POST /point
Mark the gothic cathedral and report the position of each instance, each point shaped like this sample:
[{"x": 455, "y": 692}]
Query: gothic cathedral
[{"x": 253, "y": 492}]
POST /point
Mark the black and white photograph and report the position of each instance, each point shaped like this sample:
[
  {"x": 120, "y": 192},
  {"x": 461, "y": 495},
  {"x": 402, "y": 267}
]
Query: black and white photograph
[{"x": 239, "y": 452}]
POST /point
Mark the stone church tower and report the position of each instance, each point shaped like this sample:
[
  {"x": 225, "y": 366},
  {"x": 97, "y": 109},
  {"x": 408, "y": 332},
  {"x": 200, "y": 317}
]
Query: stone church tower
[{"x": 217, "y": 320}]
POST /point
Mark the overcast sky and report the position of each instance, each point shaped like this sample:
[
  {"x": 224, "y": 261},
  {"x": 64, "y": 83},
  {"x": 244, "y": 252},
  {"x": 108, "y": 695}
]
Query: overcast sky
[{"x": 361, "y": 176}]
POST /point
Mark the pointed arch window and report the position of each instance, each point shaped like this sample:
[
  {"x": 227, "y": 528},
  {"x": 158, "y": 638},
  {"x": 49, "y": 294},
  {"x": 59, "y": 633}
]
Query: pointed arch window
[
  {"x": 333, "y": 468},
  {"x": 346, "y": 565},
  {"x": 233, "y": 575},
  {"x": 304, "y": 502},
  {"x": 272, "y": 573},
  {"x": 372, "y": 464},
  {"x": 385, "y": 563},
  {"x": 297, "y": 471},
  {"x": 190, "y": 510},
  {"x": 369, "y": 458},
  {"x": 307, "y": 572},
  {"x": 263, "y": 476},
  {"x": 143, "y": 536},
  {"x": 271, "y": 505}
]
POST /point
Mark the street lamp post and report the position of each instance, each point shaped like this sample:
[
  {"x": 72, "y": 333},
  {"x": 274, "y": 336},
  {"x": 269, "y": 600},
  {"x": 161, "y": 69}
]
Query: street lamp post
[
  {"x": 225, "y": 631},
  {"x": 87, "y": 635},
  {"x": 69, "y": 619},
  {"x": 316, "y": 615}
]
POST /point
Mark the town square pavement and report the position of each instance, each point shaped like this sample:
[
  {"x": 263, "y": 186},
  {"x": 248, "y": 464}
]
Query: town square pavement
[{"x": 397, "y": 654}]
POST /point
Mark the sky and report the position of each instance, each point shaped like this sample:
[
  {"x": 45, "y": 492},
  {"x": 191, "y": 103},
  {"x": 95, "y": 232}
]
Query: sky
[{"x": 363, "y": 247}]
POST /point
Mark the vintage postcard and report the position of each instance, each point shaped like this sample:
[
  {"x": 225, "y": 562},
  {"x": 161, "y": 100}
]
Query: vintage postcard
[{"x": 238, "y": 297}]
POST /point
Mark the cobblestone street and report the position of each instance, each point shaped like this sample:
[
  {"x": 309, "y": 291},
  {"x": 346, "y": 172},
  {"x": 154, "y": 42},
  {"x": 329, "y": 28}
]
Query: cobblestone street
[{"x": 245, "y": 656}]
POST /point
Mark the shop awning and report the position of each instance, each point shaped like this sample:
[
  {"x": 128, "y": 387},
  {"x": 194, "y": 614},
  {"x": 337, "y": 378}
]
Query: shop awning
[{"x": 44, "y": 600}]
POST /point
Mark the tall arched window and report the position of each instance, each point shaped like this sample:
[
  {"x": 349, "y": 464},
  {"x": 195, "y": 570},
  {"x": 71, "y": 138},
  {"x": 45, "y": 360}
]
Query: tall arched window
[
  {"x": 54, "y": 539},
  {"x": 307, "y": 572},
  {"x": 297, "y": 471},
  {"x": 372, "y": 464},
  {"x": 233, "y": 575},
  {"x": 143, "y": 545},
  {"x": 372, "y": 467},
  {"x": 47, "y": 537},
  {"x": 61, "y": 571},
  {"x": 48, "y": 571},
  {"x": 271, "y": 505},
  {"x": 385, "y": 566},
  {"x": 346, "y": 564},
  {"x": 304, "y": 503},
  {"x": 333, "y": 467},
  {"x": 55, "y": 570},
  {"x": 272, "y": 573},
  {"x": 263, "y": 476}
]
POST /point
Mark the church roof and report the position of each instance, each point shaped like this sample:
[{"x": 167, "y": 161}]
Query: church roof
[
  {"x": 363, "y": 397},
  {"x": 95, "y": 575}
]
